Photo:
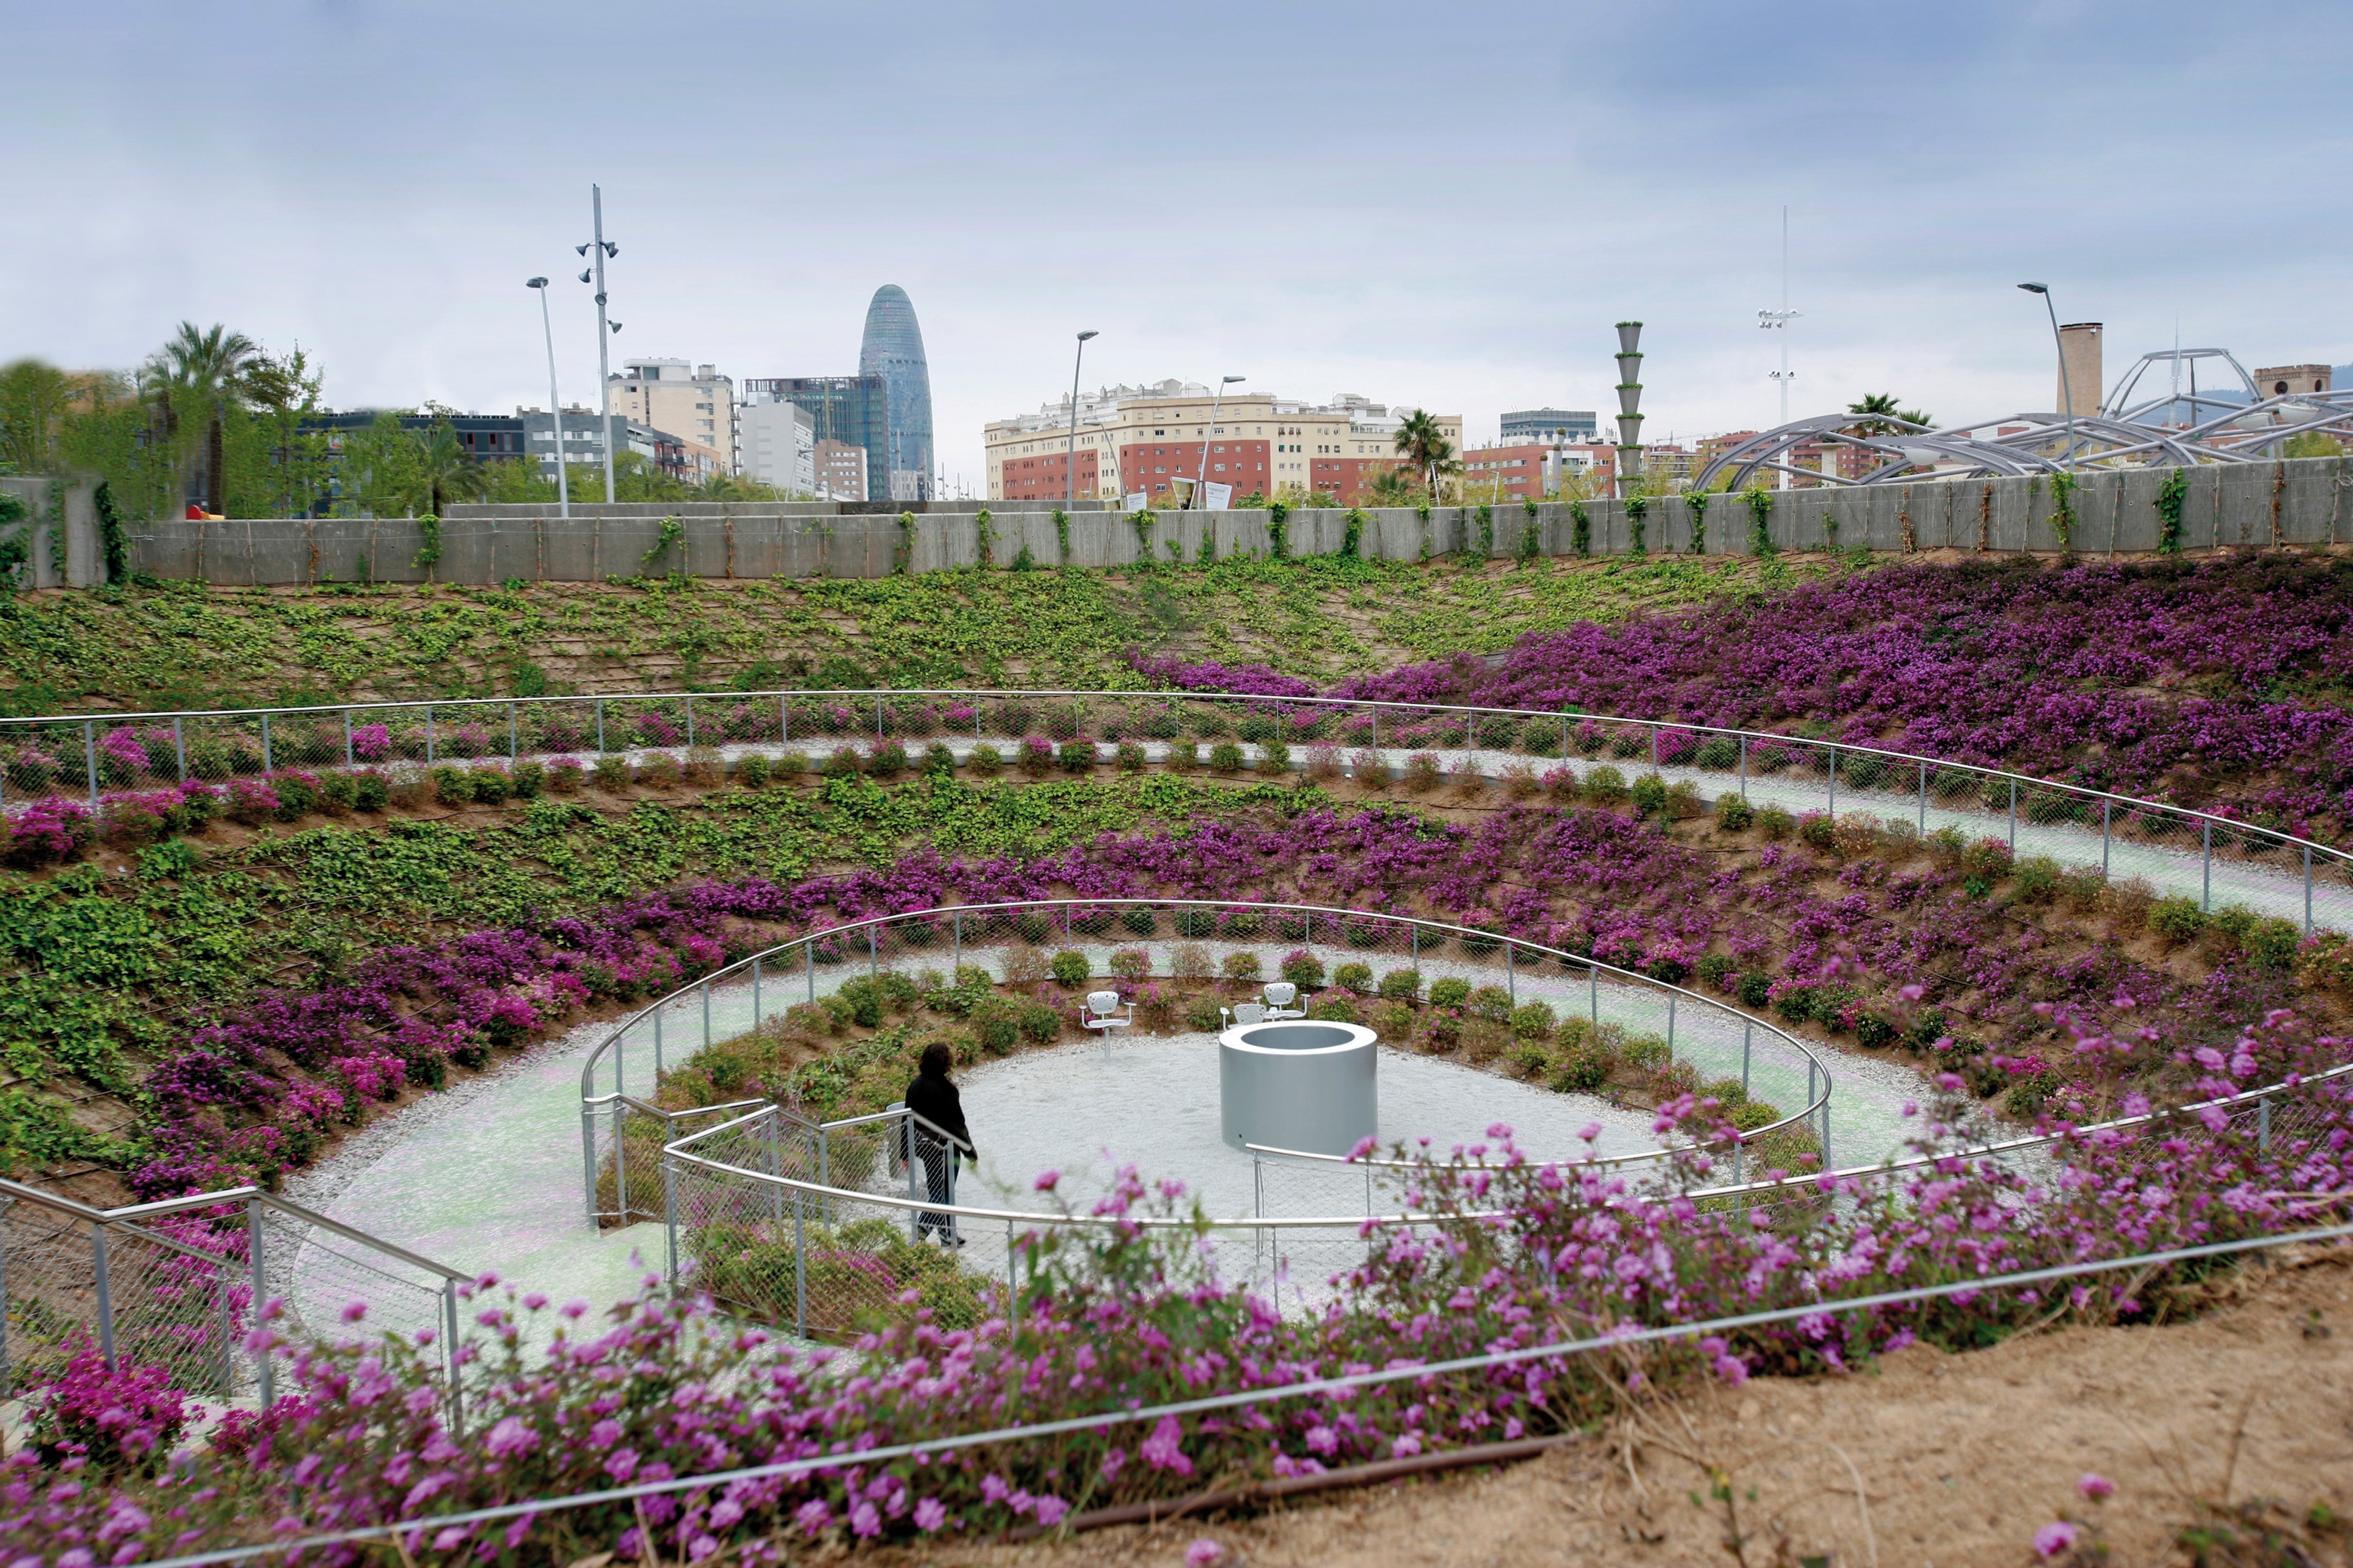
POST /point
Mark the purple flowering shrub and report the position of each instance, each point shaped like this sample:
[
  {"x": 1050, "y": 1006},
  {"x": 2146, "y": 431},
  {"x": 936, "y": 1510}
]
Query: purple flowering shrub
[
  {"x": 126, "y": 1419},
  {"x": 1508, "y": 1255},
  {"x": 2221, "y": 682}
]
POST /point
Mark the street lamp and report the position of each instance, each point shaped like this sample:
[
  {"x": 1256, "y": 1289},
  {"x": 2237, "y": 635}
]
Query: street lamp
[
  {"x": 2066, "y": 392},
  {"x": 555, "y": 409},
  {"x": 1071, "y": 462},
  {"x": 1201, "y": 480}
]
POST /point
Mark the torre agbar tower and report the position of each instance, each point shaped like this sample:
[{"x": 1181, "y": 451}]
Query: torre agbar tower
[{"x": 892, "y": 349}]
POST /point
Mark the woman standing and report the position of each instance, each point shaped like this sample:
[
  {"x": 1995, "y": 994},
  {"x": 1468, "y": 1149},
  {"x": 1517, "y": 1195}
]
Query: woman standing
[{"x": 934, "y": 1098}]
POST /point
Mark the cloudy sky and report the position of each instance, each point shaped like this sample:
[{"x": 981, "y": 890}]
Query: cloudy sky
[{"x": 1445, "y": 205}]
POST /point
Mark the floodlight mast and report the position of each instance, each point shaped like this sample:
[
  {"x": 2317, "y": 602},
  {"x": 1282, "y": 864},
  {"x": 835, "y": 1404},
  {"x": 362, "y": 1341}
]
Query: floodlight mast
[
  {"x": 1071, "y": 461},
  {"x": 555, "y": 409},
  {"x": 1779, "y": 321},
  {"x": 2066, "y": 392}
]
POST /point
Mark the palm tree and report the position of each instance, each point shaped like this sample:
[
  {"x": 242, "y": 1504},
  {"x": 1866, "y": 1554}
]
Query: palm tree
[
  {"x": 445, "y": 470},
  {"x": 1420, "y": 443},
  {"x": 211, "y": 365},
  {"x": 1882, "y": 406}
]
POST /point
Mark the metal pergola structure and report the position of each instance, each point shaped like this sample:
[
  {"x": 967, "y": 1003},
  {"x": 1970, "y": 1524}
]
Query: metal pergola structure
[{"x": 2180, "y": 429}]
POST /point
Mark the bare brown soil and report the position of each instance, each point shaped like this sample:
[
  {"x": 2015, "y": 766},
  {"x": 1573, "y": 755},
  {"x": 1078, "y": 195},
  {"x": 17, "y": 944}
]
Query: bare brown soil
[{"x": 1938, "y": 1461}]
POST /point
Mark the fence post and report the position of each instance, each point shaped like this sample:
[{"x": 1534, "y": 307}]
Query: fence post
[
  {"x": 90, "y": 765},
  {"x": 956, "y": 959},
  {"x": 784, "y": 721},
  {"x": 1833, "y": 811},
  {"x": 1923, "y": 828},
  {"x": 512, "y": 752},
  {"x": 2264, "y": 1124},
  {"x": 2206, "y": 870},
  {"x": 1748, "y": 1033},
  {"x": 1593, "y": 992},
  {"x": 2014, "y": 817},
  {"x": 180, "y": 745},
  {"x": 589, "y": 1159},
  {"x": 428, "y": 734},
  {"x": 658, "y": 1050},
  {"x": 263, "y": 1370},
  {"x": 2307, "y": 890},
  {"x": 669, "y": 1215},
  {"x": 8, "y": 1207},
  {"x": 2106, "y": 806},
  {"x": 875, "y": 956},
  {"x": 349, "y": 760},
  {"x": 600, "y": 726},
  {"x": 915, "y": 1183},
  {"x": 1012, "y": 1284},
  {"x": 1670, "y": 1026},
  {"x": 808, "y": 953},
  {"x": 220, "y": 1326},
  {"x": 1413, "y": 935},
  {"x": 1826, "y": 1133},
  {"x": 621, "y": 1154},
  {"x": 268, "y": 758},
  {"x": 449, "y": 1355},
  {"x": 690, "y": 721},
  {"x": 705, "y": 988},
  {"x": 1744, "y": 767},
  {"x": 105, "y": 1295},
  {"x": 755, "y": 992},
  {"x": 800, "y": 1264},
  {"x": 1511, "y": 971}
]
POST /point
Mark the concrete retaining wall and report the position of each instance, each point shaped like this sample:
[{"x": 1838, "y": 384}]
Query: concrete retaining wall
[
  {"x": 59, "y": 532},
  {"x": 2302, "y": 502}
]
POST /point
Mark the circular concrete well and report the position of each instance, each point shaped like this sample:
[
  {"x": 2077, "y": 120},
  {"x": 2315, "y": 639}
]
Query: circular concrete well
[{"x": 1297, "y": 1084}]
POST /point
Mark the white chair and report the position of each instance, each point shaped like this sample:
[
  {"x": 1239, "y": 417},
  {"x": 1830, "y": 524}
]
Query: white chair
[
  {"x": 1243, "y": 1014},
  {"x": 1282, "y": 1001},
  {"x": 1101, "y": 1012}
]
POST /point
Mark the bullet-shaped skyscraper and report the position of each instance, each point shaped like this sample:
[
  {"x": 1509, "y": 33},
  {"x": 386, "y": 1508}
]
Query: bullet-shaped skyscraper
[{"x": 892, "y": 349}]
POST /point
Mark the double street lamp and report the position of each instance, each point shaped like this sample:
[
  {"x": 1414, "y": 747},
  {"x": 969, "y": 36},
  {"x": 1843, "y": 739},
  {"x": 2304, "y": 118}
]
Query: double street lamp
[{"x": 1201, "y": 481}]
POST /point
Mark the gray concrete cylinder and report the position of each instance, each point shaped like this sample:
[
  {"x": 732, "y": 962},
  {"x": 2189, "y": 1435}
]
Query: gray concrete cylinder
[{"x": 1297, "y": 1084}]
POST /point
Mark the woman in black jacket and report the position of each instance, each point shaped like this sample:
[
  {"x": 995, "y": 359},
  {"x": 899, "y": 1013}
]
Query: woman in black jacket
[{"x": 932, "y": 1096}]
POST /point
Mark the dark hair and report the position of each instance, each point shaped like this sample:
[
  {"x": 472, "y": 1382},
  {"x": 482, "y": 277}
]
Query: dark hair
[{"x": 937, "y": 1058}]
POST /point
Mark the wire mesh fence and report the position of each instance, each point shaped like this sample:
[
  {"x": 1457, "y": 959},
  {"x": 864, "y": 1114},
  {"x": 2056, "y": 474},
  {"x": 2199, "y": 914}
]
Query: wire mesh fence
[
  {"x": 1543, "y": 1011},
  {"x": 260, "y": 763},
  {"x": 182, "y": 1285}
]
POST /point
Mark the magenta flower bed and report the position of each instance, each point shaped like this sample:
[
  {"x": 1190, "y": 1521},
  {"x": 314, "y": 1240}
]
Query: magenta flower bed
[
  {"x": 2220, "y": 681},
  {"x": 1512, "y": 1256}
]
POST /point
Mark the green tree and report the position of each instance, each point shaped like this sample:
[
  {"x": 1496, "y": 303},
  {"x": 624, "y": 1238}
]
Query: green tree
[
  {"x": 446, "y": 471},
  {"x": 210, "y": 365},
  {"x": 2313, "y": 444},
  {"x": 34, "y": 401},
  {"x": 1879, "y": 407},
  {"x": 1424, "y": 446}
]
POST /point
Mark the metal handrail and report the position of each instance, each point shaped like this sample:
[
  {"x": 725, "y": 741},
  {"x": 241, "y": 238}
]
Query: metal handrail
[
  {"x": 880, "y": 694},
  {"x": 131, "y": 1214},
  {"x": 1818, "y": 1105}
]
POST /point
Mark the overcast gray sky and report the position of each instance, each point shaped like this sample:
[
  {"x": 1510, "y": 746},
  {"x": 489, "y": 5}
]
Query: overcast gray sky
[{"x": 1445, "y": 205}]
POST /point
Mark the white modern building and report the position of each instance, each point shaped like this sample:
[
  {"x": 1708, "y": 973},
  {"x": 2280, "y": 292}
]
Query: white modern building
[{"x": 777, "y": 443}]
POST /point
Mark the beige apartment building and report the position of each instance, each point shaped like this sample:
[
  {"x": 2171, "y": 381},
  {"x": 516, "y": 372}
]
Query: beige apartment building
[
  {"x": 693, "y": 402},
  {"x": 1140, "y": 439}
]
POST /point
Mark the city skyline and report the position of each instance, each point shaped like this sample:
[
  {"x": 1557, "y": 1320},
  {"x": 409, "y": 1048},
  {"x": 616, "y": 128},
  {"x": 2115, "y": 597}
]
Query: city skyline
[{"x": 403, "y": 274}]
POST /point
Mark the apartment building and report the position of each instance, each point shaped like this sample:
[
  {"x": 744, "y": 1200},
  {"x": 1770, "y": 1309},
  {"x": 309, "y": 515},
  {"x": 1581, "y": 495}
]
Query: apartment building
[
  {"x": 841, "y": 471},
  {"x": 776, "y": 445},
  {"x": 695, "y": 403},
  {"x": 1142, "y": 439}
]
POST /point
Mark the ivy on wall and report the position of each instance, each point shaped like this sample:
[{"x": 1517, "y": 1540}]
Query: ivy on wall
[
  {"x": 2171, "y": 495},
  {"x": 1697, "y": 501},
  {"x": 1760, "y": 501}
]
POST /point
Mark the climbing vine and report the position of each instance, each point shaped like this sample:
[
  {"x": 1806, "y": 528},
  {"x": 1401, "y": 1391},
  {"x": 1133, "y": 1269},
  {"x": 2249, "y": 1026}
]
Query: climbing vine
[
  {"x": 2171, "y": 495},
  {"x": 111, "y": 543},
  {"x": 986, "y": 537},
  {"x": 1760, "y": 501},
  {"x": 1697, "y": 502},
  {"x": 2063, "y": 509},
  {"x": 1142, "y": 522},
  {"x": 1531, "y": 537},
  {"x": 1062, "y": 534},
  {"x": 1580, "y": 538},
  {"x": 1278, "y": 525},
  {"x": 428, "y": 553},
  {"x": 671, "y": 534},
  {"x": 1638, "y": 508},
  {"x": 1486, "y": 530},
  {"x": 1352, "y": 536},
  {"x": 904, "y": 557}
]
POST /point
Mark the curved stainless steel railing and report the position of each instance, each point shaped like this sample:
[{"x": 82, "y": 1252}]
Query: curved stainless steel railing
[
  {"x": 2174, "y": 847},
  {"x": 798, "y": 959}
]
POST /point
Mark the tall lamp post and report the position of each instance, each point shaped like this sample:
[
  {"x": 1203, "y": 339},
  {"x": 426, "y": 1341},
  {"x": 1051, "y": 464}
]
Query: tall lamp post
[
  {"x": 2066, "y": 392},
  {"x": 604, "y": 328},
  {"x": 555, "y": 409},
  {"x": 1071, "y": 462},
  {"x": 1201, "y": 480}
]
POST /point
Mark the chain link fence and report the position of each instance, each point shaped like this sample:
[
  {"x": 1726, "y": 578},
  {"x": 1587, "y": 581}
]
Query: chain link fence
[{"x": 177, "y": 1285}]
